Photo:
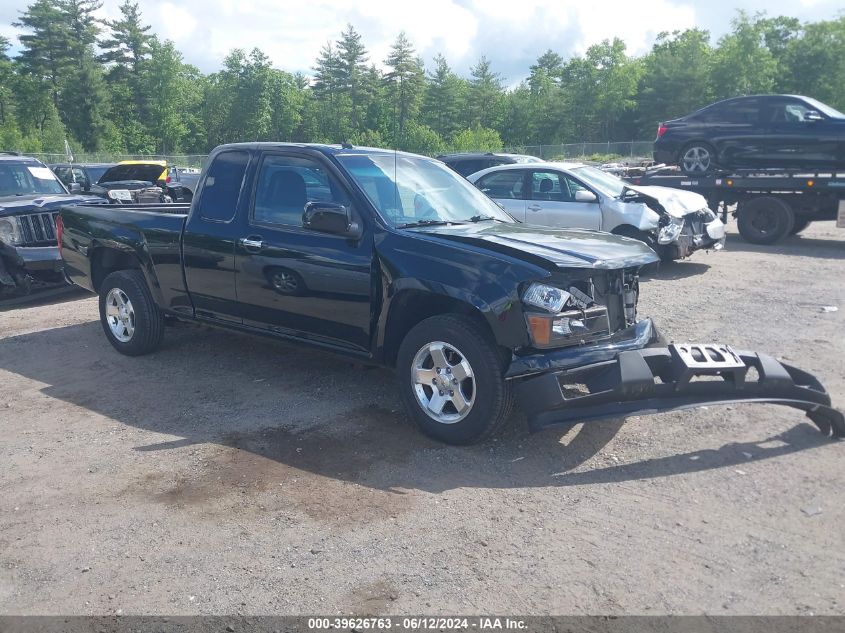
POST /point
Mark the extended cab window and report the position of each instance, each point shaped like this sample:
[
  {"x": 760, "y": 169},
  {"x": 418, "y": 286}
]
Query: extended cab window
[
  {"x": 287, "y": 183},
  {"x": 503, "y": 184},
  {"x": 222, "y": 186}
]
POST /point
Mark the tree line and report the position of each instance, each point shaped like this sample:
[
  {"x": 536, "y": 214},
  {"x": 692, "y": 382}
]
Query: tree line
[{"x": 114, "y": 86}]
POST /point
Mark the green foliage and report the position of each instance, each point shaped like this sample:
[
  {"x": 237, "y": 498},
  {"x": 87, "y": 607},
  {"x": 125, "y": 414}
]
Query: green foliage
[
  {"x": 477, "y": 139},
  {"x": 113, "y": 86}
]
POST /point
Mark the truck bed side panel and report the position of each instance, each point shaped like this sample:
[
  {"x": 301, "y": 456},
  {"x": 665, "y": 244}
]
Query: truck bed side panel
[{"x": 151, "y": 236}]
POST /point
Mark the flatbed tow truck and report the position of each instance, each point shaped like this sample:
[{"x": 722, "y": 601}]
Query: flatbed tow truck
[{"x": 769, "y": 204}]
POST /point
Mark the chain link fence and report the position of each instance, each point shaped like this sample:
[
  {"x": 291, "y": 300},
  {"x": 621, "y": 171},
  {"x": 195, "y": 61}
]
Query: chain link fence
[
  {"x": 177, "y": 160},
  {"x": 602, "y": 152}
]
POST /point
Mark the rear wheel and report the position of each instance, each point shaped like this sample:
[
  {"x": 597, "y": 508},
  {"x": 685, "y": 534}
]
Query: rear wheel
[
  {"x": 764, "y": 220},
  {"x": 132, "y": 321},
  {"x": 450, "y": 378},
  {"x": 697, "y": 158}
]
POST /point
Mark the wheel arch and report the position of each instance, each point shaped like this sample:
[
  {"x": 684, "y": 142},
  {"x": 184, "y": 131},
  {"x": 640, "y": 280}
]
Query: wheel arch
[
  {"x": 107, "y": 259},
  {"x": 411, "y": 306}
]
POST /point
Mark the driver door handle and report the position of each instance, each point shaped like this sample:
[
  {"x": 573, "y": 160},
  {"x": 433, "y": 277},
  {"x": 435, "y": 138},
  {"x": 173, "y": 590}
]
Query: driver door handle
[{"x": 251, "y": 243}]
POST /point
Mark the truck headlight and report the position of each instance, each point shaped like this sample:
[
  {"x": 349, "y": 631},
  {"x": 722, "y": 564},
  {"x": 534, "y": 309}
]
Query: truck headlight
[
  {"x": 9, "y": 232},
  {"x": 545, "y": 297},
  {"x": 670, "y": 232}
]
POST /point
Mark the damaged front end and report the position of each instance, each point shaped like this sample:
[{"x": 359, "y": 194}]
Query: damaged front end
[
  {"x": 29, "y": 256},
  {"x": 591, "y": 357},
  {"x": 679, "y": 221},
  {"x": 669, "y": 378}
]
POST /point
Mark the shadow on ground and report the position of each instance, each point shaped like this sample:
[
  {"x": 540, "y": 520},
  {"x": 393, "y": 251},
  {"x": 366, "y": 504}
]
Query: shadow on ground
[
  {"x": 288, "y": 412},
  {"x": 46, "y": 296},
  {"x": 793, "y": 245}
]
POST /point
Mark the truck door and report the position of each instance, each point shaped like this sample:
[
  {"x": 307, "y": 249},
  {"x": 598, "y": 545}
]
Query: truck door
[
  {"x": 297, "y": 281},
  {"x": 208, "y": 243}
]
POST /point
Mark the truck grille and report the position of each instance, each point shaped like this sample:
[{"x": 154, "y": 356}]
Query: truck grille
[{"x": 38, "y": 229}]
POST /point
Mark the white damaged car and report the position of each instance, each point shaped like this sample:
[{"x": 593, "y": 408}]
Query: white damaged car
[{"x": 564, "y": 195}]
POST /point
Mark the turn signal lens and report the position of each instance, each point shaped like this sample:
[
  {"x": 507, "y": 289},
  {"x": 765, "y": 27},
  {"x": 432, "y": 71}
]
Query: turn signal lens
[
  {"x": 541, "y": 329},
  {"x": 810, "y": 183}
]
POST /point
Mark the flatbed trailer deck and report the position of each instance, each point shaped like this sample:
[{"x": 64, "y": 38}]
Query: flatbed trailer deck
[{"x": 770, "y": 204}]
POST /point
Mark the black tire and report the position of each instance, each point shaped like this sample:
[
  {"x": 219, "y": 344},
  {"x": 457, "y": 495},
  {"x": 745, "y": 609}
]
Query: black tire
[
  {"x": 799, "y": 225},
  {"x": 492, "y": 397},
  {"x": 702, "y": 147},
  {"x": 146, "y": 318},
  {"x": 764, "y": 220}
]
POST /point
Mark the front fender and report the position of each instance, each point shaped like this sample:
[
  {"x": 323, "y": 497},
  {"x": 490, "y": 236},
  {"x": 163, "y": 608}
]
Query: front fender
[{"x": 616, "y": 213}]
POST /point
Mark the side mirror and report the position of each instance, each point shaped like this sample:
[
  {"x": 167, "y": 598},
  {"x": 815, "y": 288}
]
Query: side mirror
[
  {"x": 75, "y": 187},
  {"x": 330, "y": 217},
  {"x": 582, "y": 195},
  {"x": 812, "y": 115}
]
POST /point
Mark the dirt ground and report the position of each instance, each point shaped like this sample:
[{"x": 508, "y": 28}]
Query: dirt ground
[{"x": 229, "y": 474}]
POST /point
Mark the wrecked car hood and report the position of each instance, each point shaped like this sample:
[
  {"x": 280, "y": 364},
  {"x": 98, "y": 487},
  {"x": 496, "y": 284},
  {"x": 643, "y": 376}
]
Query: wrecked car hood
[
  {"x": 13, "y": 205},
  {"x": 676, "y": 202},
  {"x": 565, "y": 248}
]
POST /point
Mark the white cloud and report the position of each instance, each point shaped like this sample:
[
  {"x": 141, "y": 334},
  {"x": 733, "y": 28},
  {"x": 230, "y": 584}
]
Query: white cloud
[{"x": 512, "y": 33}]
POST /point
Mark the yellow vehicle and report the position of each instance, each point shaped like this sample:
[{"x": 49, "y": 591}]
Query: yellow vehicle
[{"x": 149, "y": 168}]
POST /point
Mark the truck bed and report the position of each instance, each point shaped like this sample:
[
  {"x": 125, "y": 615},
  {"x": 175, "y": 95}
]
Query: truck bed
[{"x": 148, "y": 235}]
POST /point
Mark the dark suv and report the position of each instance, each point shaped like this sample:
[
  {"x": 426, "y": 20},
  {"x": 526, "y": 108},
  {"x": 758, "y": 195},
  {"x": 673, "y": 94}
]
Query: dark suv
[
  {"x": 30, "y": 197},
  {"x": 762, "y": 131},
  {"x": 466, "y": 164}
]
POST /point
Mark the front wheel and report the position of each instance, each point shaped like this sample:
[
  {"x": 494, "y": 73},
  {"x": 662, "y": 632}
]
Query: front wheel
[
  {"x": 130, "y": 318},
  {"x": 450, "y": 379}
]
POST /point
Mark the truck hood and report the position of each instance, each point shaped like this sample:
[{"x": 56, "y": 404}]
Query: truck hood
[
  {"x": 676, "y": 202},
  {"x": 563, "y": 248},
  {"x": 15, "y": 205}
]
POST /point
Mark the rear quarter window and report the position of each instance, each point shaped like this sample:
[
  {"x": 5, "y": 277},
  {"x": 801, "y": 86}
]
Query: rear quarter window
[{"x": 222, "y": 186}]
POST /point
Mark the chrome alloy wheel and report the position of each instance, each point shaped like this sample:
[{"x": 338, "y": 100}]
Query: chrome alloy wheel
[
  {"x": 443, "y": 382},
  {"x": 697, "y": 159},
  {"x": 120, "y": 315},
  {"x": 285, "y": 282}
]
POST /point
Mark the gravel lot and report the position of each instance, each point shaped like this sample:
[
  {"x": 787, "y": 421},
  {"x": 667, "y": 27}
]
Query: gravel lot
[{"x": 229, "y": 474}]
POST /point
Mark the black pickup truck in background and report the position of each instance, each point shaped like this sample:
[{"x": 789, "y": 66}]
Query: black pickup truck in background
[{"x": 396, "y": 260}]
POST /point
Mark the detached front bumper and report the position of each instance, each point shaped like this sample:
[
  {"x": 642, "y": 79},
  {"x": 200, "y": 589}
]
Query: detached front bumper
[{"x": 669, "y": 378}]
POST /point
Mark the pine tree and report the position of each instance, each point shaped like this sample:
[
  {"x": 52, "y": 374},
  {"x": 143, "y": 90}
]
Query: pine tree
[
  {"x": 405, "y": 81},
  {"x": 485, "y": 92},
  {"x": 46, "y": 44},
  {"x": 128, "y": 43},
  {"x": 444, "y": 98},
  {"x": 351, "y": 64}
]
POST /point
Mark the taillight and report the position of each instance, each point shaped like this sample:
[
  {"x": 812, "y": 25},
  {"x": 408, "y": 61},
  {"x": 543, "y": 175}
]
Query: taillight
[
  {"x": 59, "y": 229},
  {"x": 661, "y": 130},
  {"x": 167, "y": 180}
]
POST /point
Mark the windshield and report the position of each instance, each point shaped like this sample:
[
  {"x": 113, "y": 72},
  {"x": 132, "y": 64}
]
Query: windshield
[
  {"x": 606, "y": 183},
  {"x": 825, "y": 109},
  {"x": 95, "y": 173},
  {"x": 407, "y": 190},
  {"x": 21, "y": 179}
]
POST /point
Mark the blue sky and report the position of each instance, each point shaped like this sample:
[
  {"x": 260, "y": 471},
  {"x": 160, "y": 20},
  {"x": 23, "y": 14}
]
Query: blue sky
[{"x": 512, "y": 33}]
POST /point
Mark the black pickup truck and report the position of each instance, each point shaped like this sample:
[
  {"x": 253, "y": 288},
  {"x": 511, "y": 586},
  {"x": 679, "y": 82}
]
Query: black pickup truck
[{"x": 395, "y": 259}]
